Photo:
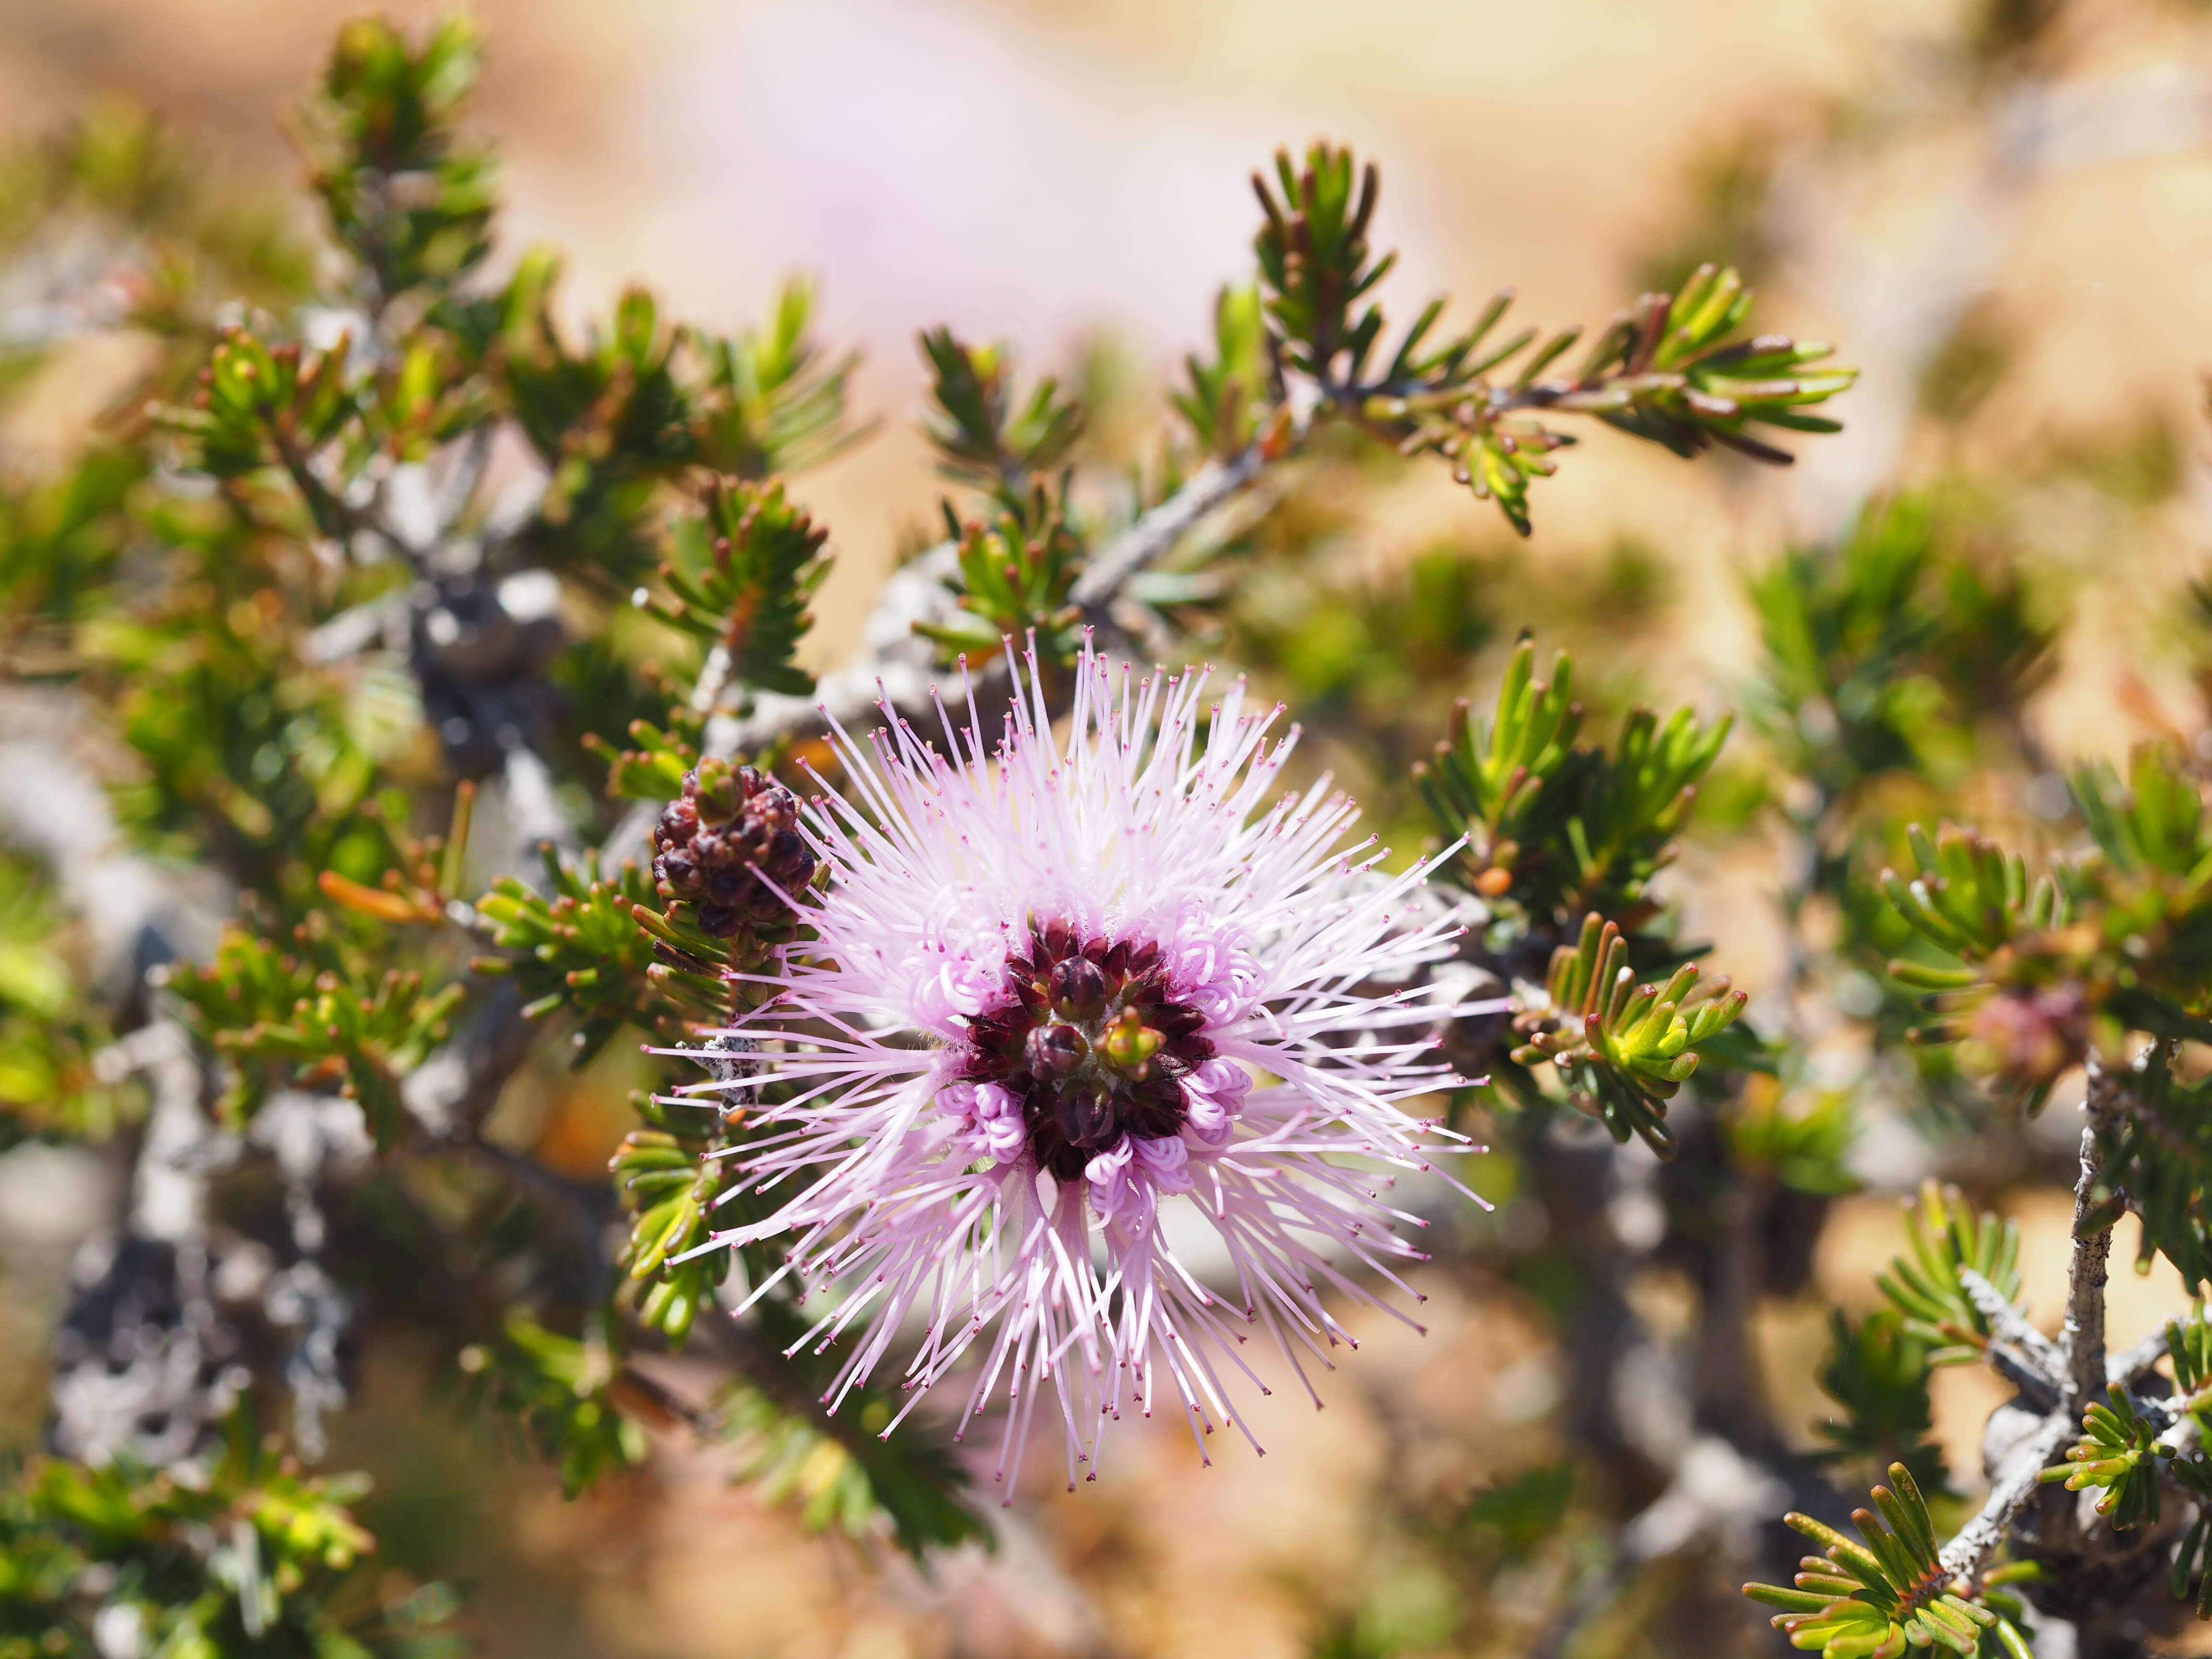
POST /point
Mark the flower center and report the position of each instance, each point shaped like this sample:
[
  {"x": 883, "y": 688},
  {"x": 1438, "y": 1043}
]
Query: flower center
[{"x": 1092, "y": 1043}]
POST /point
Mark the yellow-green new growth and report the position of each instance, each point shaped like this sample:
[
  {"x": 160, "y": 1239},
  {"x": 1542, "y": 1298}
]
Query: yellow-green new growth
[
  {"x": 1626, "y": 1049},
  {"x": 1875, "y": 1599}
]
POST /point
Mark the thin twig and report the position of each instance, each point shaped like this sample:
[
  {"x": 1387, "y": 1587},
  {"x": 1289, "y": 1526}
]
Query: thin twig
[
  {"x": 899, "y": 666},
  {"x": 636, "y": 1388},
  {"x": 2009, "y": 1326},
  {"x": 2083, "y": 1333},
  {"x": 588, "y": 1204},
  {"x": 1962, "y": 1557},
  {"x": 1155, "y": 533}
]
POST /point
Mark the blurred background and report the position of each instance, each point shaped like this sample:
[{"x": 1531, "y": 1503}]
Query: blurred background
[{"x": 2001, "y": 209}]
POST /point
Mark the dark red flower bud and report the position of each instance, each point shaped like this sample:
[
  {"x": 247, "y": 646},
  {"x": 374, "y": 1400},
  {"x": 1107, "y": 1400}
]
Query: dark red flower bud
[
  {"x": 732, "y": 845},
  {"x": 1053, "y": 1051}
]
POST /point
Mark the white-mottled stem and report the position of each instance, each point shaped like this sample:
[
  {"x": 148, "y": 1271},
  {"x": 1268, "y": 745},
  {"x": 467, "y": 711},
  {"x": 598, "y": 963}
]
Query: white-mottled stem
[
  {"x": 181, "y": 1145},
  {"x": 532, "y": 808},
  {"x": 1155, "y": 533},
  {"x": 1962, "y": 1557},
  {"x": 2009, "y": 1326},
  {"x": 897, "y": 665},
  {"x": 353, "y": 631},
  {"x": 2083, "y": 1335}
]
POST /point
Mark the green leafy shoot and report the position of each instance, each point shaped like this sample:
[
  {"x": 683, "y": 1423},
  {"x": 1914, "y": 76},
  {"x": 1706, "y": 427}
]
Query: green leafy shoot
[
  {"x": 1625, "y": 1049},
  {"x": 2192, "y": 1561},
  {"x": 1674, "y": 369},
  {"x": 258, "y": 406},
  {"x": 2156, "y": 822},
  {"x": 1555, "y": 828},
  {"x": 986, "y": 433},
  {"x": 2157, "y": 1160},
  {"x": 1316, "y": 264},
  {"x": 558, "y": 1394},
  {"x": 246, "y": 1554},
  {"x": 1876, "y": 1599},
  {"x": 842, "y": 1475},
  {"x": 769, "y": 400},
  {"x": 2118, "y": 1454},
  {"x": 1878, "y": 1373},
  {"x": 579, "y": 948},
  {"x": 741, "y": 576},
  {"x": 49, "y": 1083},
  {"x": 1484, "y": 779},
  {"x": 667, "y": 1178},
  {"x": 1520, "y": 1512},
  {"x": 406, "y": 196},
  {"x": 1948, "y": 1237},
  {"x": 1805, "y": 1144},
  {"x": 315, "y": 1015},
  {"x": 654, "y": 769},
  {"x": 1015, "y": 576},
  {"x": 1969, "y": 897},
  {"x": 1229, "y": 393},
  {"x": 2189, "y": 1341}
]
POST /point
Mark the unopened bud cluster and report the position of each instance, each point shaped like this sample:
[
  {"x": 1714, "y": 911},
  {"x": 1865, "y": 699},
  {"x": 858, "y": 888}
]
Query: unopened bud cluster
[{"x": 731, "y": 845}]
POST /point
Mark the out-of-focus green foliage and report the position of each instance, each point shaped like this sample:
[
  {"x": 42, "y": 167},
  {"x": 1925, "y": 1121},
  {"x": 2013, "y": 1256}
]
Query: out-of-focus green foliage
[
  {"x": 1877, "y": 1373},
  {"x": 247, "y": 1557},
  {"x": 318, "y": 1013}
]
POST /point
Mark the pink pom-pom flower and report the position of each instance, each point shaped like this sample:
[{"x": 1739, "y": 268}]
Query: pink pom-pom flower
[{"x": 1056, "y": 987}]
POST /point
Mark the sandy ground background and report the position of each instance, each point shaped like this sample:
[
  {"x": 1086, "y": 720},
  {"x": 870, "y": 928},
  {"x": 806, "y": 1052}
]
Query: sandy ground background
[{"x": 1055, "y": 172}]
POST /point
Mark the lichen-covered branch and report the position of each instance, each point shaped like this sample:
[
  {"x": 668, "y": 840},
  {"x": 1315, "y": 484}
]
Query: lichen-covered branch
[
  {"x": 2083, "y": 1336},
  {"x": 2016, "y": 1482},
  {"x": 2008, "y": 1326}
]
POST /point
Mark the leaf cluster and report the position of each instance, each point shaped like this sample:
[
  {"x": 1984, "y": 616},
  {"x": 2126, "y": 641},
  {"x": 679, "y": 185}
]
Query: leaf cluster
[
  {"x": 986, "y": 432},
  {"x": 739, "y": 577},
  {"x": 319, "y": 1014},
  {"x": 2034, "y": 979},
  {"x": 405, "y": 194},
  {"x": 1231, "y": 388},
  {"x": 859, "y": 1479},
  {"x": 1552, "y": 829},
  {"x": 1624, "y": 1048},
  {"x": 1877, "y": 1373},
  {"x": 577, "y": 950},
  {"x": 1674, "y": 369},
  {"x": 1805, "y": 1144},
  {"x": 670, "y": 1178},
  {"x": 246, "y": 1556},
  {"x": 2119, "y": 1454},
  {"x": 1947, "y": 1238},
  {"x": 1876, "y": 1599},
  {"x": 1881, "y": 650},
  {"x": 50, "y": 1083},
  {"x": 1015, "y": 576},
  {"x": 559, "y": 1394}
]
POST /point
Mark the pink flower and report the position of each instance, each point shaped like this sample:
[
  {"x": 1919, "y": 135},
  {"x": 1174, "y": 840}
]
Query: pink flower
[{"x": 1043, "y": 982}]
